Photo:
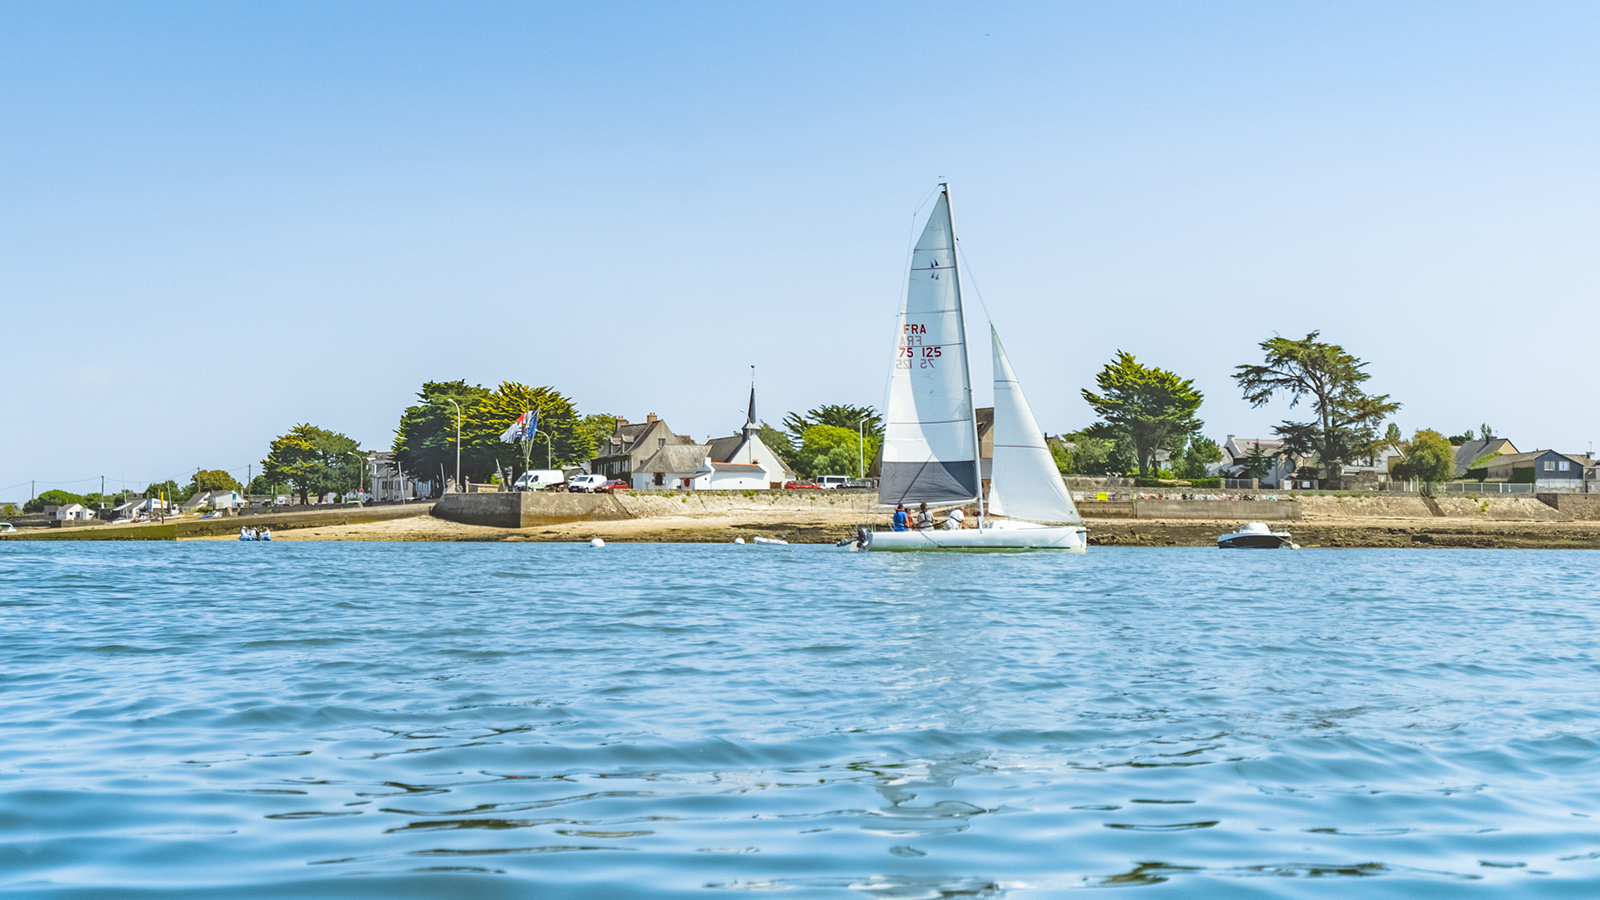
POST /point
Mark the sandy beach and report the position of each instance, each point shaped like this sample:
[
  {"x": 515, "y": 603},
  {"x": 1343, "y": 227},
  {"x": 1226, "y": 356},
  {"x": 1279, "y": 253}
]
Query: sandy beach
[{"x": 826, "y": 527}]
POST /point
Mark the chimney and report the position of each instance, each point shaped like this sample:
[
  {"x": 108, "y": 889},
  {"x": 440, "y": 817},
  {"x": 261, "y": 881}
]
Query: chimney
[{"x": 650, "y": 419}]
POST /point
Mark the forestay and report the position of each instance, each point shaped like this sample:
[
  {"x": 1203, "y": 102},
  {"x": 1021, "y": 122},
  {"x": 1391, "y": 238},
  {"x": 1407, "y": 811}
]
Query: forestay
[
  {"x": 1024, "y": 482},
  {"x": 930, "y": 448}
]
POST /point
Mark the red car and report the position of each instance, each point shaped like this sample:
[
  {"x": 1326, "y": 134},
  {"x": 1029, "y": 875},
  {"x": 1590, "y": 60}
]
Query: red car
[
  {"x": 801, "y": 486},
  {"x": 615, "y": 484}
]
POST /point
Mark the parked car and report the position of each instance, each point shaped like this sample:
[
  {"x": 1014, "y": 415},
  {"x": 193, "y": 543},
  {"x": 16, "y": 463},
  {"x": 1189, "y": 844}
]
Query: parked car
[
  {"x": 585, "y": 484},
  {"x": 801, "y": 486},
  {"x": 615, "y": 484},
  {"x": 537, "y": 480},
  {"x": 832, "y": 482},
  {"x": 860, "y": 484}
]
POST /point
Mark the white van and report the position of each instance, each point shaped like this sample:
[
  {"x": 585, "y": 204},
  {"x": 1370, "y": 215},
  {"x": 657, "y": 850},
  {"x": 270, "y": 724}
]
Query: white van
[
  {"x": 537, "y": 480},
  {"x": 585, "y": 484},
  {"x": 832, "y": 482}
]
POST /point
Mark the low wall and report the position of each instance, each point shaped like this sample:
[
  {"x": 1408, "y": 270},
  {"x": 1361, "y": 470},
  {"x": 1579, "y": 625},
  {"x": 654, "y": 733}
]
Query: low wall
[
  {"x": 1574, "y": 506},
  {"x": 523, "y": 510},
  {"x": 176, "y": 527}
]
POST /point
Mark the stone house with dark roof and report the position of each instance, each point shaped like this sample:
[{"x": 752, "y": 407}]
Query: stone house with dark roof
[{"x": 621, "y": 454}]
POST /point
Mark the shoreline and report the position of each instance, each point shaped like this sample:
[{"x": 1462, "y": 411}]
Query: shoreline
[{"x": 1370, "y": 533}]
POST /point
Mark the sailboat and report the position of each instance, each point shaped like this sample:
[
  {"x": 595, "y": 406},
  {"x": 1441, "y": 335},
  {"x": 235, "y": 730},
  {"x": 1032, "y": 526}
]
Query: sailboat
[{"x": 930, "y": 447}]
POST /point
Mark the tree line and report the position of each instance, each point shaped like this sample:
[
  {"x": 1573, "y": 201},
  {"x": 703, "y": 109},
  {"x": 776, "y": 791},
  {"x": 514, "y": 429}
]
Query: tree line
[{"x": 1147, "y": 416}]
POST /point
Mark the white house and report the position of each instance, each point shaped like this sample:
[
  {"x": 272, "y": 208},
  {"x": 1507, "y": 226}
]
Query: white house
[
  {"x": 388, "y": 483},
  {"x": 671, "y": 466},
  {"x": 215, "y": 500},
  {"x": 1236, "y": 452},
  {"x": 747, "y": 449},
  {"x": 76, "y": 512}
]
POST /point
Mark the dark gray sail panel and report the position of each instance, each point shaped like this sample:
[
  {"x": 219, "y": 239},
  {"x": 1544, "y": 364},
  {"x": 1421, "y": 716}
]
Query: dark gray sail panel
[{"x": 931, "y": 482}]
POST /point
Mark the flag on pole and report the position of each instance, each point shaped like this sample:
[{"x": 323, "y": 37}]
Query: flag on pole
[{"x": 522, "y": 429}]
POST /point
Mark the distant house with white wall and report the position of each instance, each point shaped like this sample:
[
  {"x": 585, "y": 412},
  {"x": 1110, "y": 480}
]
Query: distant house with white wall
[
  {"x": 673, "y": 466},
  {"x": 214, "y": 500},
  {"x": 74, "y": 512},
  {"x": 1238, "y": 451},
  {"x": 388, "y": 483},
  {"x": 739, "y": 462},
  {"x": 747, "y": 449}
]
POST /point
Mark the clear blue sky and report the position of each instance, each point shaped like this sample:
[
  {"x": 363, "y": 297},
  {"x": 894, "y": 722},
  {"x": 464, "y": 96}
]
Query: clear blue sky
[{"x": 223, "y": 219}]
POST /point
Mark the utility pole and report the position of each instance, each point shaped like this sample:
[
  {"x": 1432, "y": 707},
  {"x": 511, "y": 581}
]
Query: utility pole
[{"x": 102, "y": 492}]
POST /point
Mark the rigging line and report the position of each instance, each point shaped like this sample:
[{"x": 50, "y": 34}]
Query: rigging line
[{"x": 966, "y": 267}]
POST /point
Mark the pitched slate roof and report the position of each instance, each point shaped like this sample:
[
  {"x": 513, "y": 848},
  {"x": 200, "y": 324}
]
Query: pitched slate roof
[
  {"x": 1471, "y": 450},
  {"x": 723, "y": 448}
]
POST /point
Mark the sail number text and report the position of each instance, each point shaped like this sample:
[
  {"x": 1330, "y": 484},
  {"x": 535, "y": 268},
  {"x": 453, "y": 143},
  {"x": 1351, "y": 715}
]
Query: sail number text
[{"x": 914, "y": 352}]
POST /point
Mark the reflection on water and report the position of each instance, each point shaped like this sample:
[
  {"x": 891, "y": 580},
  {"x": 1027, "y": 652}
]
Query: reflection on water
[{"x": 320, "y": 720}]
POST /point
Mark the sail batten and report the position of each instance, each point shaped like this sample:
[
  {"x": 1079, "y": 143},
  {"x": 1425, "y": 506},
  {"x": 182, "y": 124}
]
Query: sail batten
[{"x": 930, "y": 447}]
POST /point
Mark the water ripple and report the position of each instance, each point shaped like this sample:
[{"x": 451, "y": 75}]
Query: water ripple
[{"x": 664, "y": 721}]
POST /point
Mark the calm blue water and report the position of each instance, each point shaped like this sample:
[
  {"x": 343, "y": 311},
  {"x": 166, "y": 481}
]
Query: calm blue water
[{"x": 451, "y": 720}]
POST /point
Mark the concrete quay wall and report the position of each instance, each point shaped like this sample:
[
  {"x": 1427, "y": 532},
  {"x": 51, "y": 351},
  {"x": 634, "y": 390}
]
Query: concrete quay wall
[{"x": 523, "y": 510}]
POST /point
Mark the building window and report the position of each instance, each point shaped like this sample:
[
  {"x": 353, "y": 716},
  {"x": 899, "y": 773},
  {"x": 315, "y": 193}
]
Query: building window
[
  {"x": 1564, "y": 465},
  {"x": 1549, "y": 465},
  {"x": 661, "y": 442},
  {"x": 661, "y": 479}
]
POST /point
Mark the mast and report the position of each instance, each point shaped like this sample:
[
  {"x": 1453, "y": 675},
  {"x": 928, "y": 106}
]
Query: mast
[{"x": 961, "y": 325}]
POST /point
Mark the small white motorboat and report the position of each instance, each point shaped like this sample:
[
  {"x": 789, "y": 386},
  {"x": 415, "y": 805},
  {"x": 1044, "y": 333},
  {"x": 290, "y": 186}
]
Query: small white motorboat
[
  {"x": 767, "y": 540},
  {"x": 1256, "y": 536}
]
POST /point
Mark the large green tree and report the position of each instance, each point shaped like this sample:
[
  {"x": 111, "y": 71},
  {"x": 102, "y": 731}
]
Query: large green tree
[
  {"x": 830, "y": 450},
  {"x": 312, "y": 460},
  {"x": 1100, "y": 449},
  {"x": 169, "y": 491},
  {"x": 1330, "y": 379},
  {"x": 425, "y": 442},
  {"x": 1429, "y": 459},
  {"x": 838, "y": 416},
  {"x": 482, "y": 451},
  {"x": 1152, "y": 405},
  {"x": 1199, "y": 451},
  {"x": 53, "y": 498},
  {"x": 213, "y": 480}
]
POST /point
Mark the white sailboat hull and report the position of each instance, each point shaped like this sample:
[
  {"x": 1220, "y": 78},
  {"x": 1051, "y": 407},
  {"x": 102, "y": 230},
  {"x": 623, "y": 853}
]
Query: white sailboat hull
[{"x": 1009, "y": 535}]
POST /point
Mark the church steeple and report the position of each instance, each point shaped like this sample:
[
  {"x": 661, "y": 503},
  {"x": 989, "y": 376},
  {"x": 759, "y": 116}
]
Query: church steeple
[{"x": 750, "y": 426}]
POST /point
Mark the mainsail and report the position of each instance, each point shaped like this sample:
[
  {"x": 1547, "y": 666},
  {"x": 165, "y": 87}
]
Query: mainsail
[
  {"x": 930, "y": 445},
  {"x": 1024, "y": 482}
]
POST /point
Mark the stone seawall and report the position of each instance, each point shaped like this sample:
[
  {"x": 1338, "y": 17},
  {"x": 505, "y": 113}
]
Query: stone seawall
[
  {"x": 524, "y": 510},
  {"x": 1573, "y": 506}
]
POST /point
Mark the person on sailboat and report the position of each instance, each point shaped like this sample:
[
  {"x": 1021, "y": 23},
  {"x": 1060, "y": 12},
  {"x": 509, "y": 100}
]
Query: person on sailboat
[
  {"x": 956, "y": 521},
  {"x": 900, "y": 522},
  {"x": 924, "y": 518}
]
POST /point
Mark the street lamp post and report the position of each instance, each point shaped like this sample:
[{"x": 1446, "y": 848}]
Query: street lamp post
[
  {"x": 538, "y": 433},
  {"x": 458, "y": 443},
  {"x": 861, "y": 450}
]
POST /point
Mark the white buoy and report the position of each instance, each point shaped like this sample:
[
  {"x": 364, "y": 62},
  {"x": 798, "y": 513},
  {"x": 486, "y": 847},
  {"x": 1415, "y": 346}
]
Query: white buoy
[
  {"x": 735, "y": 540},
  {"x": 596, "y": 542}
]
